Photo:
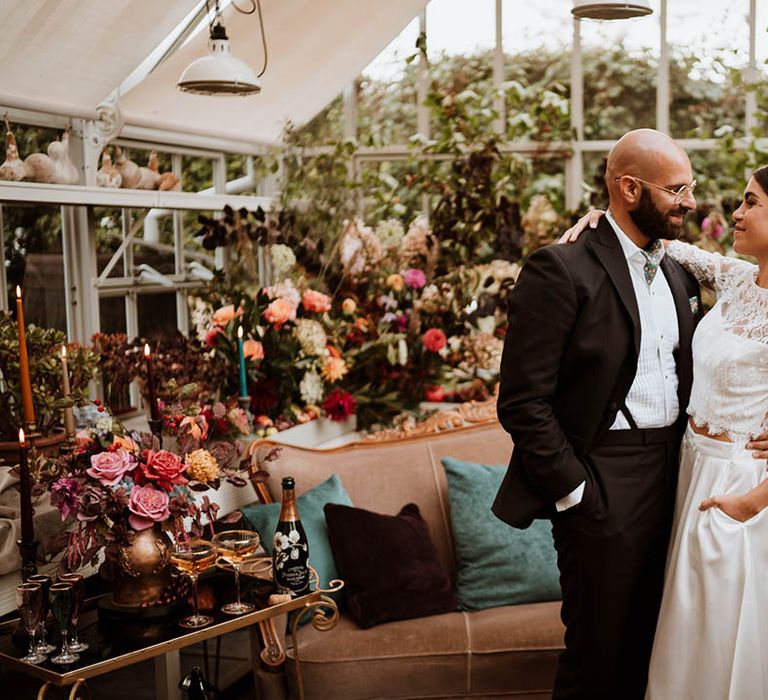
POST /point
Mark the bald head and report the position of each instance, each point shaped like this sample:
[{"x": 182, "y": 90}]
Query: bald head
[
  {"x": 643, "y": 153},
  {"x": 643, "y": 203}
]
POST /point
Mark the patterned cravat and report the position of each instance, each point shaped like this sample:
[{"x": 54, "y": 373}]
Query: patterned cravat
[{"x": 653, "y": 256}]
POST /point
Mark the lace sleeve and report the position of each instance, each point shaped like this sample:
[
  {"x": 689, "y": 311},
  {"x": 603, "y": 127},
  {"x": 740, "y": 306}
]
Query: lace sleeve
[{"x": 711, "y": 269}]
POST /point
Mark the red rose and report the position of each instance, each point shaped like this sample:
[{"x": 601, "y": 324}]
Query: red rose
[
  {"x": 164, "y": 468},
  {"x": 434, "y": 340},
  {"x": 435, "y": 393}
]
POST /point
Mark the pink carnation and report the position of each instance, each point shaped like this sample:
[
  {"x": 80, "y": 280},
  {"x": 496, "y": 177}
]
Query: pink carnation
[
  {"x": 147, "y": 505},
  {"x": 316, "y": 302},
  {"x": 110, "y": 467},
  {"x": 278, "y": 312},
  {"x": 415, "y": 278}
]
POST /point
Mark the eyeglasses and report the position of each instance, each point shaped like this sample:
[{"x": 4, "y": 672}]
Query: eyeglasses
[{"x": 679, "y": 194}]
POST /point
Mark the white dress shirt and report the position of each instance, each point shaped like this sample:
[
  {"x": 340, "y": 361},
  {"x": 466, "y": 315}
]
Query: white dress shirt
[{"x": 652, "y": 399}]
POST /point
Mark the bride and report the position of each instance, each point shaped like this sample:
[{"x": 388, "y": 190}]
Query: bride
[{"x": 712, "y": 636}]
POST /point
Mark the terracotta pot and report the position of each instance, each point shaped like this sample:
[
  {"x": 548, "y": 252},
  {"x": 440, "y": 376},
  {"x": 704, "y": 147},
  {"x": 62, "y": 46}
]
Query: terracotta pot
[
  {"x": 142, "y": 570},
  {"x": 48, "y": 445}
]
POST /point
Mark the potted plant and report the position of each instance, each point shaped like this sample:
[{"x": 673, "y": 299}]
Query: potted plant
[{"x": 44, "y": 350}]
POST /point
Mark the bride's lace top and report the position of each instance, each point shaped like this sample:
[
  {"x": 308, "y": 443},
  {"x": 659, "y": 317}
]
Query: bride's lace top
[{"x": 730, "y": 346}]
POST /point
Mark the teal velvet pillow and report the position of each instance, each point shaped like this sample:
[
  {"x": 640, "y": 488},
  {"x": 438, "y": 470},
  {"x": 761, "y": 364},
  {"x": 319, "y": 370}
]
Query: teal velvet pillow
[
  {"x": 496, "y": 564},
  {"x": 263, "y": 519}
]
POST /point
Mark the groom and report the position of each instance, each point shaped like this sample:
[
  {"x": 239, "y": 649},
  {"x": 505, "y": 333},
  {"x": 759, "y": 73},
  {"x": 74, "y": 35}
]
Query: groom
[{"x": 595, "y": 379}]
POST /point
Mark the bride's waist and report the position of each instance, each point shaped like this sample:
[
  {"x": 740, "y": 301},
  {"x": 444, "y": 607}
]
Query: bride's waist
[{"x": 705, "y": 431}]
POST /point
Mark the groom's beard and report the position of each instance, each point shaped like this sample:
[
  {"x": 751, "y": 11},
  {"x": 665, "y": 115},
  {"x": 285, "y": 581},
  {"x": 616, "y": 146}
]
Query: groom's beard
[{"x": 652, "y": 223}]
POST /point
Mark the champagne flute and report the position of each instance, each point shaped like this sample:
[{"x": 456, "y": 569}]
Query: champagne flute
[
  {"x": 233, "y": 546},
  {"x": 78, "y": 584},
  {"x": 192, "y": 557},
  {"x": 29, "y": 601},
  {"x": 45, "y": 583},
  {"x": 63, "y": 605}
]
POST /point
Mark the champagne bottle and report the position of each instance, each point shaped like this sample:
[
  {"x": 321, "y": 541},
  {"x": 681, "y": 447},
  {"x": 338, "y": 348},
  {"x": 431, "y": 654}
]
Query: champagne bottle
[{"x": 290, "y": 550}]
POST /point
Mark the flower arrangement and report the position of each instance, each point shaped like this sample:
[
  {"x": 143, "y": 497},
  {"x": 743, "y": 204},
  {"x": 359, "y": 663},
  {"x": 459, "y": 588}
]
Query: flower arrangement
[
  {"x": 114, "y": 485},
  {"x": 392, "y": 335}
]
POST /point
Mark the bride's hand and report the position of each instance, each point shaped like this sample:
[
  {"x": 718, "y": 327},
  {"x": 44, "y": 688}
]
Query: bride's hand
[
  {"x": 737, "y": 507},
  {"x": 589, "y": 219}
]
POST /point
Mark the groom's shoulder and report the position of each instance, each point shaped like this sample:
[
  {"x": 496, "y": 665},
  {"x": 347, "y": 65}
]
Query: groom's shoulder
[{"x": 566, "y": 253}]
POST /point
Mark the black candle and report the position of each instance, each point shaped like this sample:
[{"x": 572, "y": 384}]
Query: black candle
[
  {"x": 25, "y": 485},
  {"x": 154, "y": 410}
]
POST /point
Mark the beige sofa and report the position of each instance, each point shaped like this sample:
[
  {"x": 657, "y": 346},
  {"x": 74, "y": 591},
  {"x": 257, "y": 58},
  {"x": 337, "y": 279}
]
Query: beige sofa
[{"x": 501, "y": 652}]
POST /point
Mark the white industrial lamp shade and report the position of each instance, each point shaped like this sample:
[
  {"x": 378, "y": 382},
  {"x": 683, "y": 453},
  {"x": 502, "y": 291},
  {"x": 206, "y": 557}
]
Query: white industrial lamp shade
[
  {"x": 219, "y": 73},
  {"x": 610, "y": 9}
]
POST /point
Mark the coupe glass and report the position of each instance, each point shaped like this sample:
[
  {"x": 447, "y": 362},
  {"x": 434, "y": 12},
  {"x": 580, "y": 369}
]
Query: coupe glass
[
  {"x": 233, "y": 546},
  {"x": 192, "y": 558},
  {"x": 62, "y": 606},
  {"x": 29, "y": 601},
  {"x": 45, "y": 582},
  {"x": 78, "y": 584}
]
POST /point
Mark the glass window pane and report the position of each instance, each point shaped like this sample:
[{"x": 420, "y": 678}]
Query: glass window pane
[
  {"x": 157, "y": 314},
  {"x": 34, "y": 260}
]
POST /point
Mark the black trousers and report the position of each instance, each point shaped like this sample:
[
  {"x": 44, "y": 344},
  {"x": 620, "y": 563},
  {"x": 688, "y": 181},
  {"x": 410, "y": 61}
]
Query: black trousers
[{"x": 611, "y": 551}]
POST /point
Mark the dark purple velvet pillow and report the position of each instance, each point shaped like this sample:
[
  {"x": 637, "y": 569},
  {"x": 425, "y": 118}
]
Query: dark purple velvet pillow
[{"x": 389, "y": 565}]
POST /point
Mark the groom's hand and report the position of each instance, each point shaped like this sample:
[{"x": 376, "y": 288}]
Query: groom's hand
[{"x": 760, "y": 445}]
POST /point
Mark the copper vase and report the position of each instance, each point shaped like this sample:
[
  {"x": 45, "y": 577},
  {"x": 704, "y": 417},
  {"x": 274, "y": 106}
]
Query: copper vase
[{"x": 142, "y": 570}]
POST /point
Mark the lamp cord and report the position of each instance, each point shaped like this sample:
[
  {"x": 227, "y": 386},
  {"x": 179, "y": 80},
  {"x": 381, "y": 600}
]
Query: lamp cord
[{"x": 255, "y": 5}]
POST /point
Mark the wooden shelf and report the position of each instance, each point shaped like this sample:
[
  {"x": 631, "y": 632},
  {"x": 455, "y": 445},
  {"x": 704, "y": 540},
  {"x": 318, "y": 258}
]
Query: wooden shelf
[{"x": 40, "y": 193}]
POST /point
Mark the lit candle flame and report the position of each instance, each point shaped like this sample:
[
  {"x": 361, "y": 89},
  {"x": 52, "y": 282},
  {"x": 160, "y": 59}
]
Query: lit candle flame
[
  {"x": 239, "y": 331},
  {"x": 18, "y": 292},
  {"x": 22, "y": 440},
  {"x": 146, "y": 349},
  {"x": 63, "y": 352}
]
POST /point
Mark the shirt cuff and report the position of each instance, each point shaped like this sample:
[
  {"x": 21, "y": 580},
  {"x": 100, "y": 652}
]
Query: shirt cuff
[{"x": 572, "y": 499}]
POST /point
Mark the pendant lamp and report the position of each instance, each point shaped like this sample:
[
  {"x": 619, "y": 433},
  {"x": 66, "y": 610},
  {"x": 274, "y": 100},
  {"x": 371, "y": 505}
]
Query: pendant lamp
[
  {"x": 219, "y": 72},
  {"x": 610, "y": 9}
]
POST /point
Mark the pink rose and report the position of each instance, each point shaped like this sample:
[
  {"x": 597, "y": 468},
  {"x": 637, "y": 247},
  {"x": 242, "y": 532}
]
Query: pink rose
[
  {"x": 278, "y": 312},
  {"x": 253, "y": 349},
  {"x": 147, "y": 506},
  {"x": 315, "y": 301},
  {"x": 164, "y": 468},
  {"x": 222, "y": 316},
  {"x": 110, "y": 467}
]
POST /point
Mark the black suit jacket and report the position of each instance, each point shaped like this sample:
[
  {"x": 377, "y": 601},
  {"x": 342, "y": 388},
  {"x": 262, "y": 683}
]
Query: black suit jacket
[{"x": 569, "y": 360}]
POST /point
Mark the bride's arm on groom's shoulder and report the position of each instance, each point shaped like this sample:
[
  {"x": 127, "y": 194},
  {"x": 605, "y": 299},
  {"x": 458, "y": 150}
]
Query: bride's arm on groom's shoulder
[{"x": 713, "y": 270}]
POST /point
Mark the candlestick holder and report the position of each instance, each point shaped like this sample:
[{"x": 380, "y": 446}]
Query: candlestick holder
[
  {"x": 28, "y": 551},
  {"x": 156, "y": 428},
  {"x": 245, "y": 403}
]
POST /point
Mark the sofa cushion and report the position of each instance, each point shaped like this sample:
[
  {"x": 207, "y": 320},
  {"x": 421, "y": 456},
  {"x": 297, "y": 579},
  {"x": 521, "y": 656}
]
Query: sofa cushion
[
  {"x": 389, "y": 564},
  {"x": 263, "y": 518},
  {"x": 496, "y": 564},
  {"x": 382, "y": 476},
  {"x": 510, "y": 650}
]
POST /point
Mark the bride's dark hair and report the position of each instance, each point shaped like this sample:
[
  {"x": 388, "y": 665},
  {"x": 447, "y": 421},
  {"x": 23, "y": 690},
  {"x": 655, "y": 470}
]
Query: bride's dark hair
[{"x": 761, "y": 175}]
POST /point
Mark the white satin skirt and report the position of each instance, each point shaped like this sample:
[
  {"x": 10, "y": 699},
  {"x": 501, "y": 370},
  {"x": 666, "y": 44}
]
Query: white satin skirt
[{"x": 712, "y": 636}]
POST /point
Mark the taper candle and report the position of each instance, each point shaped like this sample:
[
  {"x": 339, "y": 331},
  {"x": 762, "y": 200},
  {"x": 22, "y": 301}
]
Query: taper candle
[
  {"x": 69, "y": 415},
  {"x": 154, "y": 409},
  {"x": 25, "y": 486},
  {"x": 241, "y": 355},
  {"x": 27, "y": 407}
]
